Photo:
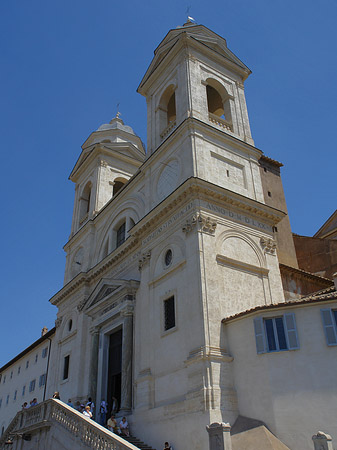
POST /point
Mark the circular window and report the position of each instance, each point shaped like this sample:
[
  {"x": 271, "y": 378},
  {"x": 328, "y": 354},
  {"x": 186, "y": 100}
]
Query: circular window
[
  {"x": 168, "y": 257},
  {"x": 70, "y": 325}
]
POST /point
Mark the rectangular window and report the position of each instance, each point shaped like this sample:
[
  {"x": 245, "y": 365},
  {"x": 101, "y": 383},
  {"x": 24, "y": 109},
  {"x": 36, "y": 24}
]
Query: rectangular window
[
  {"x": 0, "y": 402},
  {"x": 19, "y": 369},
  {"x": 32, "y": 386},
  {"x": 4, "y": 379},
  {"x": 7, "y": 399},
  {"x": 23, "y": 390},
  {"x": 66, "y": 367},
  {"x": 15, "y": 394},
  {"x": 329, "y": 319},
  {"x": 42, "y": 380},
  {"x": 44, "y": 352},
  {"x": 36, "y": 358},
  {"x": 276, "y": 333},
  {"x": 169, "y": 314},
  {"x": 27, "y": 364},
  {"x": 11, "y": 374}
]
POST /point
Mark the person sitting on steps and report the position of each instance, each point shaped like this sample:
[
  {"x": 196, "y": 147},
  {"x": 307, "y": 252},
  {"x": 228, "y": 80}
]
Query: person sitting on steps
[{"x": 124, "y": 427}]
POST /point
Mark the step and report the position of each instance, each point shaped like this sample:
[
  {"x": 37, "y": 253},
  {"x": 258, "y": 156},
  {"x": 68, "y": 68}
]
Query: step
[{"x": 138, "y": 443}]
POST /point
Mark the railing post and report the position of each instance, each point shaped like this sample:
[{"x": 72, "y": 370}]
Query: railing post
[
  {"x": 219, "y": 436},
  {"x": 322, "y": 441}
]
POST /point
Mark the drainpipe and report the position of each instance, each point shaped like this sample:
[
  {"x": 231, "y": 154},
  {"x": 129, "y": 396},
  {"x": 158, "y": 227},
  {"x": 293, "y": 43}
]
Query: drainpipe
[{"x": 45, "y": 386}]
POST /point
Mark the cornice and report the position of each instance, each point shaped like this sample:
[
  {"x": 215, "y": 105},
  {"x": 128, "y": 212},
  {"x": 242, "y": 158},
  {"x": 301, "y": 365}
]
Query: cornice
[
  {"x": 193, "y": 124},
  {"x": 187, "y": 41},
  {"x": 105, "y": 149},
  {"x": 192, "y": 189}
]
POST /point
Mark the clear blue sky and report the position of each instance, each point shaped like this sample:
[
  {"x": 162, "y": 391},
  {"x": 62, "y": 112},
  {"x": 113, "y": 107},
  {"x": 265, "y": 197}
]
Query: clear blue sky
[{"x": 64, "y": 65}]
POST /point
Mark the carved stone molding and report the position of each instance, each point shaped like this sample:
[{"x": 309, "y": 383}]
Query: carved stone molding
[
  {"x": 94, "y": 330},
  {"x": 127, "y": 311},
  {"x": 145, "y": 258},
  {"x": 58, "y": 322},
  {"x": 81, "y": 305},
  {"x": 239, "y": 84},
  {"x": 268, "y": 245},
  {"x": 200, "y": 222},
  {"x": 103, "y": 163}
]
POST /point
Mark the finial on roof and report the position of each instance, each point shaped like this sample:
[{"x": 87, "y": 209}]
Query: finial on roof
[
  {"x": 190, "y": 19},
  {"x": 118, "y": 113}
]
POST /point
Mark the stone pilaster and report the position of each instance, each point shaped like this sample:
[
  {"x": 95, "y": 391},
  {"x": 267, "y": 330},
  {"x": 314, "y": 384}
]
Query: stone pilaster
[
  {"x": 126, "y": 394},
  {"x": 219, "y": 436},
  {"x": 94, "y": 365}
]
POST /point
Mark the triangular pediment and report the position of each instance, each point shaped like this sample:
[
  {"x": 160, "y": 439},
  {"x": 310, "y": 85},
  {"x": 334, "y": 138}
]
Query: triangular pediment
[
  {"x": 110, "y": 292},
  {"x": 200, "y": 34},
  {"x": 329, "y": 228},
  {"x": 117, "y": 150}
]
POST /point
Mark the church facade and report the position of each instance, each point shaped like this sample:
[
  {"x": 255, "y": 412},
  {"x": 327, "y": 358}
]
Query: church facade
[{"x": 173, "y": 254}]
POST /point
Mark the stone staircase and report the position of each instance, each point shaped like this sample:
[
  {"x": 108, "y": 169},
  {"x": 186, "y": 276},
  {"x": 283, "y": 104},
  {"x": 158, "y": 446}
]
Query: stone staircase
[
  {"x": 53, "y": 425},
  {"x": 137, "y": 443}
]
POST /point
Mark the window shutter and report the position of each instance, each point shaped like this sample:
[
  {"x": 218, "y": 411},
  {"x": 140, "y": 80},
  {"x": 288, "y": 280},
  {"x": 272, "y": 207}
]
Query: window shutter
[
  {"x": 291, "y": 332},
  {"x": 259, "y": 335},
  {"x": 329, "y": 326}
]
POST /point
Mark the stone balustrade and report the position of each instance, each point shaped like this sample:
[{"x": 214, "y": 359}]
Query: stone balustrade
[
  {"x": 168, "y": 129},
  {"x": 220, "y": 122},
  {"x": 54, "y": 412}
]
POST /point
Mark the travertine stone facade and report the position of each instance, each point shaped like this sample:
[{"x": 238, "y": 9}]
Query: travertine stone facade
[{"x": 197, "y": 197}]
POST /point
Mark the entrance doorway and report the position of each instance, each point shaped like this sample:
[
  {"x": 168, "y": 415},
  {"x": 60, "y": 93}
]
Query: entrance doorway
[{"x": 114, "y": 371}]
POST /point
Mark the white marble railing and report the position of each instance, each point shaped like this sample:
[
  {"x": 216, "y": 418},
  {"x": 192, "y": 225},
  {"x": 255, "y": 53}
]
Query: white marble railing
[
  {"x": 56, "y": 412},
  {"x": 221, "y": 122},
  {"x": 168, "y": 129}
]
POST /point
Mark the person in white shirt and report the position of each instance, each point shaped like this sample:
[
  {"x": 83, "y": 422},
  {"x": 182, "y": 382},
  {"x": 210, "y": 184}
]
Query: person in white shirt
[
  {"x": 87, "y": 412},
  {"x": 124, "y": 427}
]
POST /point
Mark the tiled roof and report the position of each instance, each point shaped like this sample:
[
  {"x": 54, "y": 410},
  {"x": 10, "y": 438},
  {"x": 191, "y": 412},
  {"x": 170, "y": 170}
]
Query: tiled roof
[
  {"x": 323, "y": 295},
  {"x": 304, "y": 273},
  {"x": 272, "y": 161}
]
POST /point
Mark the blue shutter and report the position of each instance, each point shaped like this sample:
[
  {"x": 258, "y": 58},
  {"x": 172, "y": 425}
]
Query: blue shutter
[
  {"x": 291, "y": 332},
  {"x": 259, "y": 335},
  {"x": 329, "y": 326}
]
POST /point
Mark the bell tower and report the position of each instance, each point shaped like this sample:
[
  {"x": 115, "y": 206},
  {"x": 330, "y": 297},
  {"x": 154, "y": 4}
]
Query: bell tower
[
  {"x": 194, "y": 74},
  {"x": 109, "y": 158}
]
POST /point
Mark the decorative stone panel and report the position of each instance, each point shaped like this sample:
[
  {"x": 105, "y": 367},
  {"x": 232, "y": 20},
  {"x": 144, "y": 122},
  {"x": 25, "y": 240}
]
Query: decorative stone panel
[
  {"x": 201, "y": 223},
  {"x": 268, "y": 245}
]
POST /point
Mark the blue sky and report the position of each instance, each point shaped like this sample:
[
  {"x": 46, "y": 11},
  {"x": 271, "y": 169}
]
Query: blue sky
[{"x": 64, "y": 65}]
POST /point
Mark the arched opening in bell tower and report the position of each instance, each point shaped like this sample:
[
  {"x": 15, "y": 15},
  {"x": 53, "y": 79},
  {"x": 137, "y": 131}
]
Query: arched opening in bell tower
[
  {"x": 218, "y": 104},
  {"x": 118, "y": 184},
  {"x": 167, "y": 111},
  {"x": 85, "y": 202}
]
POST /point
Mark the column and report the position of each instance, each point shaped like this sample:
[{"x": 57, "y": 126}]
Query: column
[
  {"x": 219, "y": 436},
  {"x": 127, "y": 344},
  {"x": 94, "y": 365}
]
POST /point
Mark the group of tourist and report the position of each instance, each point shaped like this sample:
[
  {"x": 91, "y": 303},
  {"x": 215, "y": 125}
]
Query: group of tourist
[
  {"x": 87, "y": 410},
  {"x": 31, "y": 403}
]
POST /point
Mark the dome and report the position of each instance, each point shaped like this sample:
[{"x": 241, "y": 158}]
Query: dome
[{"x": 116, "y": 124}]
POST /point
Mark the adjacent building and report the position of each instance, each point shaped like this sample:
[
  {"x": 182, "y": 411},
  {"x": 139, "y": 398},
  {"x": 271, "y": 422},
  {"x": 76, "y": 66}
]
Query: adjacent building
[{"x": 24, "y": 378}]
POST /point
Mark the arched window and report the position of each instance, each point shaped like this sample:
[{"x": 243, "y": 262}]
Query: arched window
[
  {"x": 171, "y": 109},
  {"x": 218, "y": 102},
  {"x": 118, "y": 184},
  {"x": 120, "y": 234},
  {"x": 85, "y": 202},
  {"x": 214, "y": 101},
  {"x": 167, "y": 111}
]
